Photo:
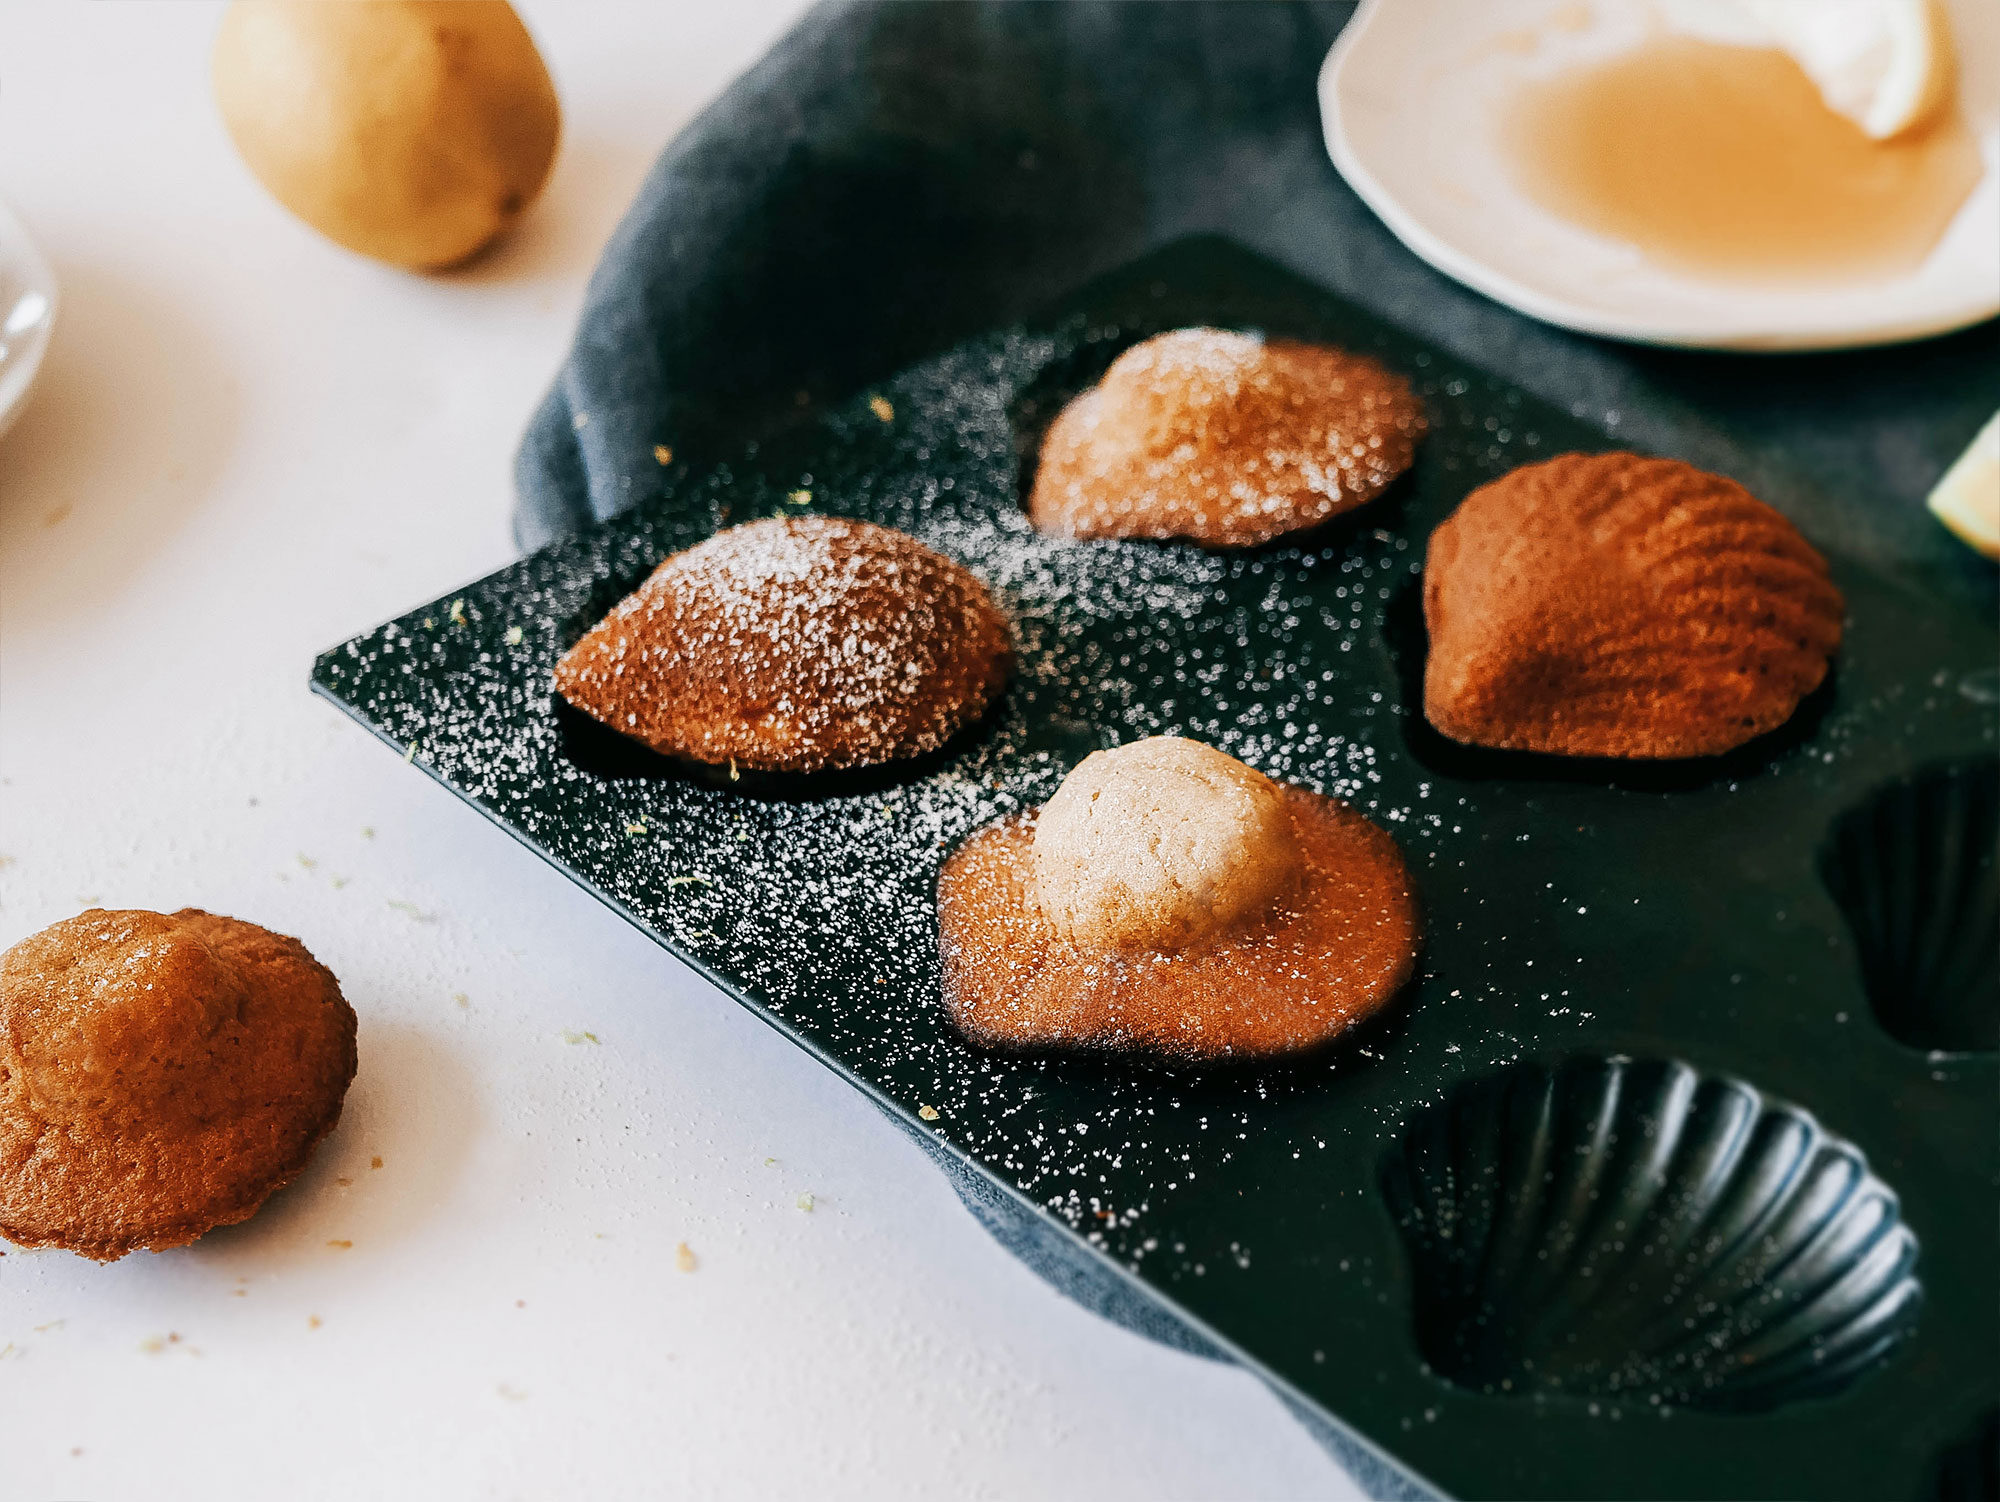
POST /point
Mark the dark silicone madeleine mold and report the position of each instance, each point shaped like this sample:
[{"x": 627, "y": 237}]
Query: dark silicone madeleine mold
[
  {"x": 1637, "y": 1231},
  {"x": 820, "y": 921},
  {"x": 1913, "y": 868}
]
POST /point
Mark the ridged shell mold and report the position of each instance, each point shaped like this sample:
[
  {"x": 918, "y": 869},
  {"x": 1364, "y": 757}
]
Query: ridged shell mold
[
  {"x": 1639, "y": 1232},
  {"x": 1913, "y": 868}
]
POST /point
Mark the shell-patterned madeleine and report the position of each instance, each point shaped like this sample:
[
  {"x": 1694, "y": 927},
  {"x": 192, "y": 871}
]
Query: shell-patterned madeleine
[{"x": 1617, "y": 605}]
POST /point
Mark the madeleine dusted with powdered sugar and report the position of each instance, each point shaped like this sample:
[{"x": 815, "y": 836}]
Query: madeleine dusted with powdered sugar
[
  {"x": 1226, "y": 439},
  {"x": 795, "y": 645},
  {"x": 1171, "y": 903}
]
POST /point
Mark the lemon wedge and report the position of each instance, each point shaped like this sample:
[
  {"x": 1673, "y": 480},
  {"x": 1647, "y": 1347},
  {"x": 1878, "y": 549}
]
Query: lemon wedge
[
  {"x": 1967, "y": 499},
  {"x": 1885, "y": 64}
]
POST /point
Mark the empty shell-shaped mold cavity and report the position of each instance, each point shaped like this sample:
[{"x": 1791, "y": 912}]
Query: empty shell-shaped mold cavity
[
  {"x": 1640, "y": 1232},
  {"x": 1913, "y": 869}
]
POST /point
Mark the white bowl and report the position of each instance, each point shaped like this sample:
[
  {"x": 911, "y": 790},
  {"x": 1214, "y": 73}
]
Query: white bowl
[
  {"x": 27, "y": 313},
  {"x": 1410, "y": 97}
]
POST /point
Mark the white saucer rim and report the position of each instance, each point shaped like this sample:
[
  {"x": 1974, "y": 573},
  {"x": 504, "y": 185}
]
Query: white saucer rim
[{"x": 1470, "y": 271}]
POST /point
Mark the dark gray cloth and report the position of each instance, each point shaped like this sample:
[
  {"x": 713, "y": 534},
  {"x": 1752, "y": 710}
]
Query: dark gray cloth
[{"x": 894, "y": 176}]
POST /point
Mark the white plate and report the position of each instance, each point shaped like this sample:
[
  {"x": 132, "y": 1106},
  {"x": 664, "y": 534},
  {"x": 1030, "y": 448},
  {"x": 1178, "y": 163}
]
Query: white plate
[
  {"x": 27, "y": 313},
  {"x": 1409, "y": 98}
]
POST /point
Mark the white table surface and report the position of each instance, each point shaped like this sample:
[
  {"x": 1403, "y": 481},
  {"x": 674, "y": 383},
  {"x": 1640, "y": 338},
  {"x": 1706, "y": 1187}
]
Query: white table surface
[{"x": 247, "y": 446}]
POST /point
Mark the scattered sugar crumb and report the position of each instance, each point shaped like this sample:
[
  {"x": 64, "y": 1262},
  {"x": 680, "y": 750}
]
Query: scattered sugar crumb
[
  {"x": 584, "y": 1037},
  {"x": 805, "y": 1202},
  {"x": 514, "y": 635},
  {"x": 881, "y": 407},
  {"x": 662, "y": 454},
  {"x": 928, "y": 1113},
  {"x": 684, "y": 1258},
  {"x": 313, "y": 1321}
]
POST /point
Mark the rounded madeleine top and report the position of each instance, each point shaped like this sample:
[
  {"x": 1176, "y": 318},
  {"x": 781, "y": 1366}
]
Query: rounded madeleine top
[
  {"x": 160, "y": 1074},
  {"x": 795, "y": 644},
  {"x": 1225, "y": 438},
  {"x": 1161, "y": 844}
]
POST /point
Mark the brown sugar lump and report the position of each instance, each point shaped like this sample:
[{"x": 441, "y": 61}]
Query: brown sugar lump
[
  {"x": 1621, "y": 606},
  {"x": 1226, "y": 439},
  {"x": 1172, "y": 903},
  {"x": 795, "y": 644},
  {"x": 160, "y": 1076}
]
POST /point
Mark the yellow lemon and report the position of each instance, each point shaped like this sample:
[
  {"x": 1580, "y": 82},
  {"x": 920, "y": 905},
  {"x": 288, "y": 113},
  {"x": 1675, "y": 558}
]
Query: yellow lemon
[
  {"x": 1967, "y": 499},
  {"x": 408, "y": 130}
]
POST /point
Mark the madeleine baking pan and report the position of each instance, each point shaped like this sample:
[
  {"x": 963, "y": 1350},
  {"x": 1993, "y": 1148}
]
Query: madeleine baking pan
[{"x": 1673, "y": 1174}]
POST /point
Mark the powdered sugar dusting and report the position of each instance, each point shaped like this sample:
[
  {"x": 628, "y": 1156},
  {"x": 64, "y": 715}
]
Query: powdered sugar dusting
[
  {"x": 794, "y": 643},
  {"x": 806, "y": 904},
  {"x": 1226, "y": 437},
  {"x": 822, "y": 913}
]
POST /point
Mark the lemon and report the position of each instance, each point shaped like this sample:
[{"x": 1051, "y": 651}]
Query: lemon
[
  {"x": 410, "y": 131},
  {"x": 1885, "y": 64},
  {"x": 1967, "y": 499}
]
